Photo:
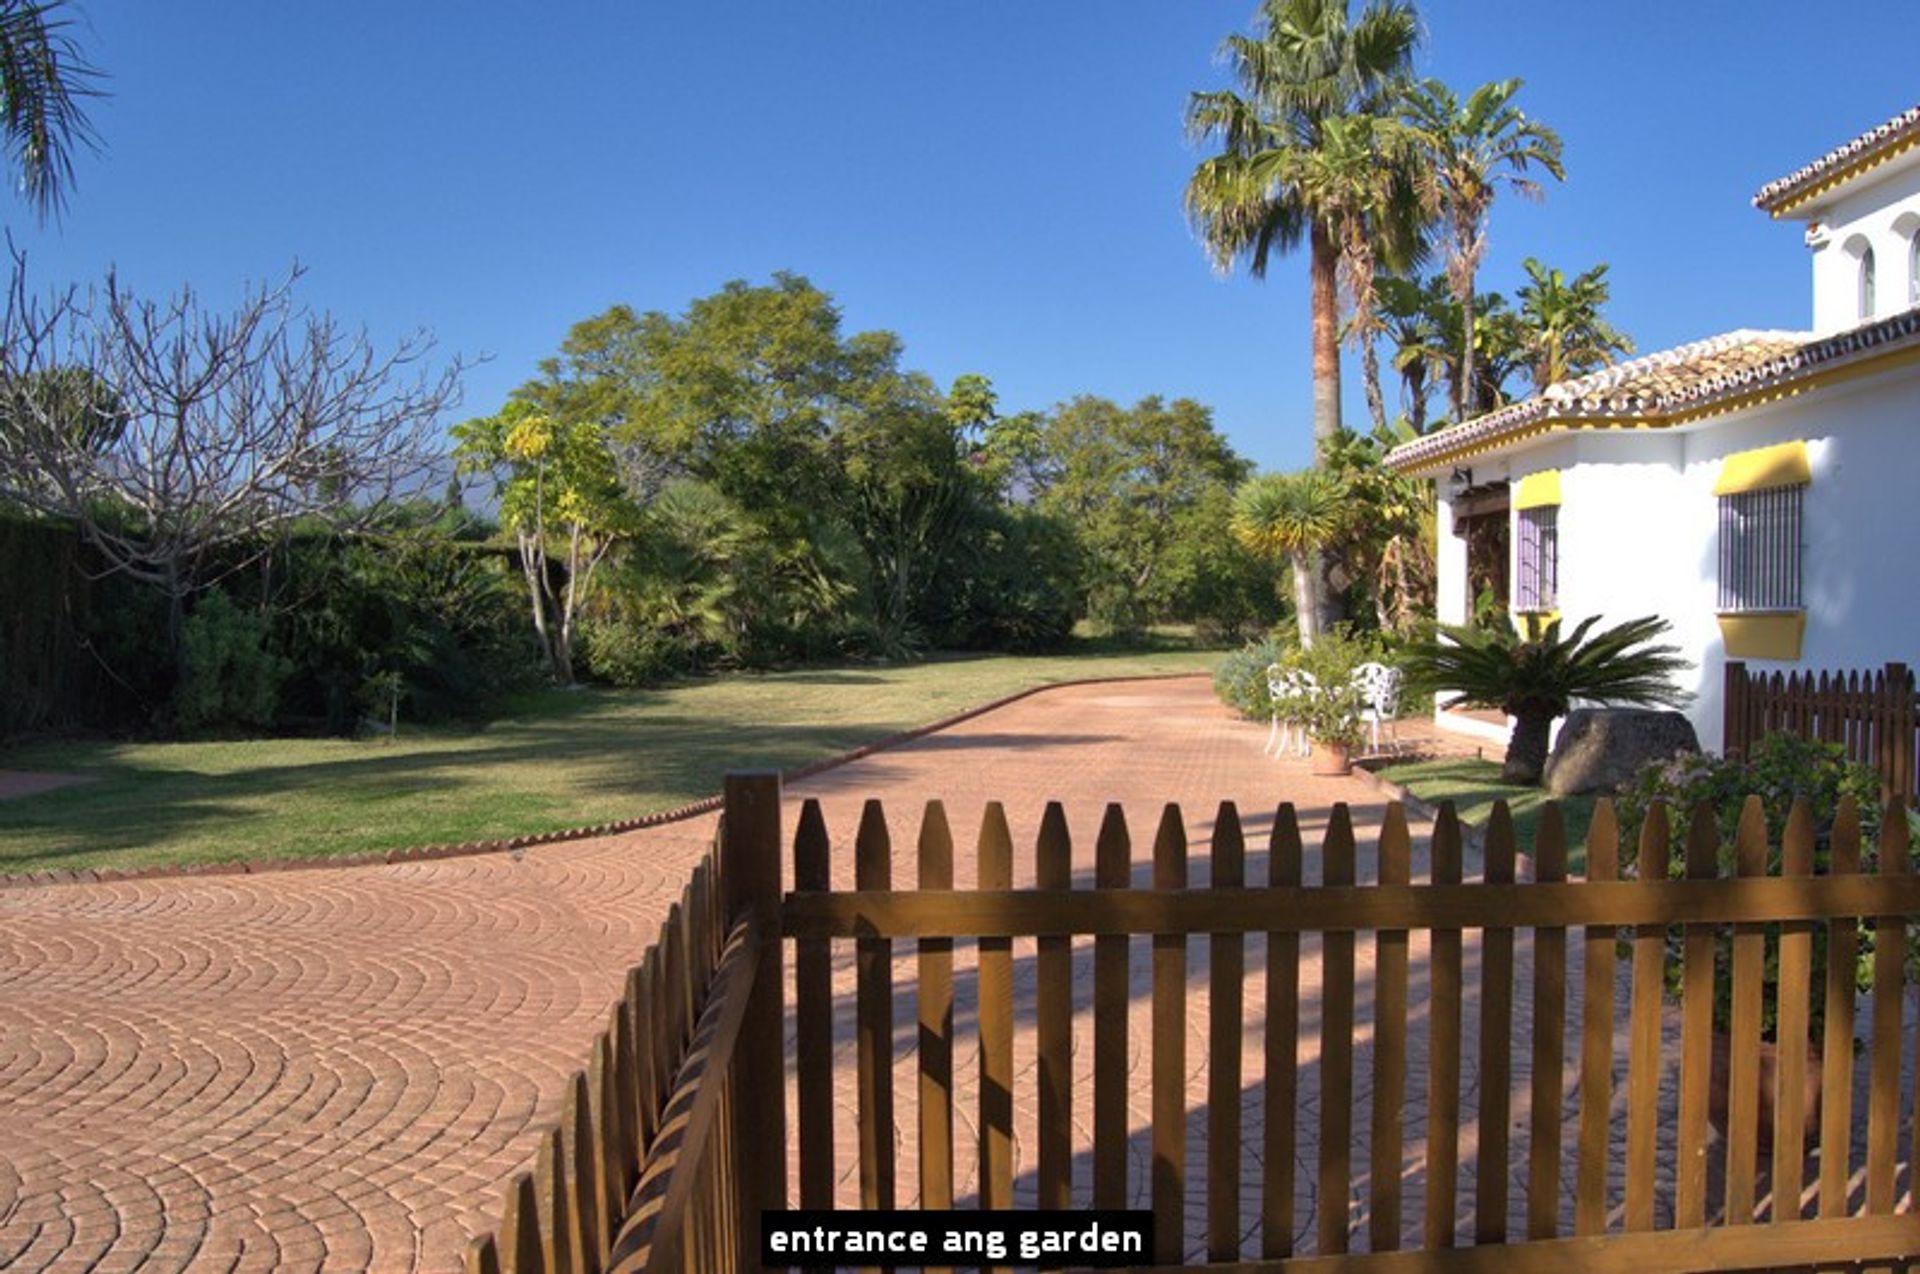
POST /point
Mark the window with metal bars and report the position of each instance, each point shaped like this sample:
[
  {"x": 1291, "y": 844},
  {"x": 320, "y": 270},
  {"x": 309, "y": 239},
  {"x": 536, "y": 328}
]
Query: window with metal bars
[
  {"x": 1760, "y": 550},
  {"x": 1537, "y": 586}
]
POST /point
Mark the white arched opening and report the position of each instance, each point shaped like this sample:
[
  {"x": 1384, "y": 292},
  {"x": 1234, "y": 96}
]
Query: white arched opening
[
  {"x": 1907, "y": 226},
  {"x": 1861, "y": 251}
]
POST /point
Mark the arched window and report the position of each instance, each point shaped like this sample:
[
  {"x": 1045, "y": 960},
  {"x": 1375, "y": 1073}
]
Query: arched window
[
  {"x": 1866, "y": 284},
  {"x": 1913, "y": 270}
]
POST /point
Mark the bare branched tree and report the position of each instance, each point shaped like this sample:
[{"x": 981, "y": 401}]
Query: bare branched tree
[{"x": 183, "y": 440}]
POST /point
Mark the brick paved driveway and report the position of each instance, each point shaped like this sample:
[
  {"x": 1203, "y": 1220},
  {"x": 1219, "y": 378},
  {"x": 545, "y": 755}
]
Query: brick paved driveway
[{"x": 340, "y": 1067}]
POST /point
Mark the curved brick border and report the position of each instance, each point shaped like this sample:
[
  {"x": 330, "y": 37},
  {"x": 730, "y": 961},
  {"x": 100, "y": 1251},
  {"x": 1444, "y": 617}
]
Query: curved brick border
[{"x": 420, "y": 853}]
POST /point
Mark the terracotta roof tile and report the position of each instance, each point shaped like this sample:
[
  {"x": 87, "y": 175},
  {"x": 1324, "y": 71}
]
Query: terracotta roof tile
[
  {"x": 1901, "y": 127},
  {"x": 1663, "y": 384}
]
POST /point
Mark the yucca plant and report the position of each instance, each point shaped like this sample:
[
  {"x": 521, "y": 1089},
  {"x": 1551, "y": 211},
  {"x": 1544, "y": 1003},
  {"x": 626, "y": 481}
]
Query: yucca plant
[{"x": 1533, "y": 680}]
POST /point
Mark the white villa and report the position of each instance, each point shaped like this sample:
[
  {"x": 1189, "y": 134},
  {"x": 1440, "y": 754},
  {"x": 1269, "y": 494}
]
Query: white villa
[{"x": 1759, "y": 489}]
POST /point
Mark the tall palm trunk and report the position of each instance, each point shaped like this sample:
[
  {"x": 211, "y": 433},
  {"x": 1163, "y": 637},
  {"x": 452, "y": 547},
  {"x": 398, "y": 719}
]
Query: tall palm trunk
[
  {"x": 1469, "y": 396},
  {"x": 1324, "y": 267},
  {"x": 1370, "y": 371}
]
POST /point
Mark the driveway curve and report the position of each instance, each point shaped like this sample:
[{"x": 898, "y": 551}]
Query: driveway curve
[{"x": 339, "y": 1068}]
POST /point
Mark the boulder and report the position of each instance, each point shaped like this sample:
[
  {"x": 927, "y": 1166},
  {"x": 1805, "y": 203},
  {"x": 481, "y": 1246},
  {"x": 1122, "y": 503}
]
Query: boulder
[{"x": 1600, "y": 749}]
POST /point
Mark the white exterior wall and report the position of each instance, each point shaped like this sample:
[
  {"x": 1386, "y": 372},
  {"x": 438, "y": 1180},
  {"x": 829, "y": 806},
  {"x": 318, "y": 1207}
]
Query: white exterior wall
[
  {"x": 1639, "y": 528},
  {"x": 1884, "y": 213}
]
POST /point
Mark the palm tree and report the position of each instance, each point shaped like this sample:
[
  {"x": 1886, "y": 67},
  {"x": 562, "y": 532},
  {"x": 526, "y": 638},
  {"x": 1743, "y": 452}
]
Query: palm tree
[
  {"x": 1562, "y": 326},
  {"x": 1309, "y": 62},
  {"x": 1293, "y": 515},
  {"x": 1363, "y": 181},
  {"x": 1533, "y": 680},
  {"x": 44, "y": 79},
  {"x": 1473, "y": 148},
  {"x": 1410, "y": 315}
]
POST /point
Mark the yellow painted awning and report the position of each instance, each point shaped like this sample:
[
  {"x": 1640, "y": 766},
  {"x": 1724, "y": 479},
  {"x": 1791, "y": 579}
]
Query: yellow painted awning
[
  {"x": 1538, "y": 490},
  {"x": 1764, "y": 468}
]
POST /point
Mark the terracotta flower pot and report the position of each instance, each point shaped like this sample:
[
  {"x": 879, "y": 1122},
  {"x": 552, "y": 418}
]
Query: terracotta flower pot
[
  {"x": 1331, "y": 759},
  {"x": 1769, "y": 1070}
]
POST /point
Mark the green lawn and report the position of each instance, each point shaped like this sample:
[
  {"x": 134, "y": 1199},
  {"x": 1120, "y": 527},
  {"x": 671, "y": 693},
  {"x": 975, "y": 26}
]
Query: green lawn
[
  {"x": 559, "y": 759},
  {"x": 1473, "y": 786}
]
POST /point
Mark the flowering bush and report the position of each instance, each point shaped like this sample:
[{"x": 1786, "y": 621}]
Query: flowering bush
[{"x": 1779, "y": 769}]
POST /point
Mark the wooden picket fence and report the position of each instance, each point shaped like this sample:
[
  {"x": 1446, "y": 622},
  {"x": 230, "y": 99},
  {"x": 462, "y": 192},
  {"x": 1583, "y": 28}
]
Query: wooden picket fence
[
  {"x": 708, "y": 1094},
  {"x": 1874, "y": 715}
]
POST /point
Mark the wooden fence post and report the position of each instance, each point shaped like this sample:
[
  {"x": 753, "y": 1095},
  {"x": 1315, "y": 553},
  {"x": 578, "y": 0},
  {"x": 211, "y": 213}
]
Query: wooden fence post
[
  {"x": 1733, "y": 704},
  {"x": 750, "y": 885},
  {"x": 1900, "y": 732}
]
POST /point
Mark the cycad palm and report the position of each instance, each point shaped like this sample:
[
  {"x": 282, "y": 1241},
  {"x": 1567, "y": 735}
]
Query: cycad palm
[
  {"x": 1292, "y": 515},
  {"x": 1472, "y": 149},
  {"x": 1562, "y": 324},
  {"x": 1534, "y": 680}
]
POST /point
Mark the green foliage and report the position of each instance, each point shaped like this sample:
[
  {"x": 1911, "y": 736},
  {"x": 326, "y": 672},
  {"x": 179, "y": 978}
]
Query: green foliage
[
  {"x": 230, "y": 679},
  {"x": 1563, "y": 330},
  {"x": 1535, "y": 679},
  {"x": 621, "y": 652},
  {"x": 1779, "y": 770},
  {"x": 1240, "y": 679},
  {"x": 1134, "y": 483},
  {"x": 1331, "y": 713},
  {"x": 437, "y": 612}
]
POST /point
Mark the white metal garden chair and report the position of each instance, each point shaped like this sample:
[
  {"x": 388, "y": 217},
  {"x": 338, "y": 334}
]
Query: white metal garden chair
[
  {"x": 1289, "y": 690},
  {"x": 1379, "y": 686}
]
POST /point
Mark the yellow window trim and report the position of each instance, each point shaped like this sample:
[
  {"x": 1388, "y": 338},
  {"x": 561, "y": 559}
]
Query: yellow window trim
[
  {"x": 1774, "y": 636},
  {"x": 1531, "y": 623},
  {"x": 1764, "y": 469},
  {"x": 1538, "y": 490}
]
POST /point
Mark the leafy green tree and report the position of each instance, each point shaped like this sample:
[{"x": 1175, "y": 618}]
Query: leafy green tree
[
  {"x": 1562, "y": 326},
  {"x": 45, "y": 80},
  {"x": 1536, "y": 679},
  {"x": 907, "y": 490},
  {"x": 1473, "y": 148},
  {"x": 561, "y": 497},
  {"x": 1126, "y": 479},
  {"x": 1293, "y": 515}
]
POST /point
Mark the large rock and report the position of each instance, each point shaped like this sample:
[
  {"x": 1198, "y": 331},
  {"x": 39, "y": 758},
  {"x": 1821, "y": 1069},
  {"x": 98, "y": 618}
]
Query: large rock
[{"x": 1600, "y": 749}]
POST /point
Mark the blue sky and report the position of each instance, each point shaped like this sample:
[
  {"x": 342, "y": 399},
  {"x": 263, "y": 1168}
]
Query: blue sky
[{"x": 999, "y": 182}]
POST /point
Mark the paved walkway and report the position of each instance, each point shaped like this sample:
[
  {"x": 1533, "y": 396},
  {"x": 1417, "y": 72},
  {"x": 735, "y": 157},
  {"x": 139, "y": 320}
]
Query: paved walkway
[{"x": 340, "y": 1067}]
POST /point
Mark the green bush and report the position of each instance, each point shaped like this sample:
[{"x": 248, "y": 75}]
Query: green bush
[
  {"x": 1240, "y": 681},
  {"x": 1780, "y": 769},
  {"x": 231, "y": 680},
  {"x": 621, "y": 652}
]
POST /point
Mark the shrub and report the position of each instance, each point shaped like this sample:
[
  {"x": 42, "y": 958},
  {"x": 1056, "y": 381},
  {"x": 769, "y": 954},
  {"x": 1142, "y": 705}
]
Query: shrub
[
  {"x": 1780, "y": 769},
  {"x": 231, "y": 680},
  {"x": 623, "y": 653},
  {"x": 1240, "y": 681}
]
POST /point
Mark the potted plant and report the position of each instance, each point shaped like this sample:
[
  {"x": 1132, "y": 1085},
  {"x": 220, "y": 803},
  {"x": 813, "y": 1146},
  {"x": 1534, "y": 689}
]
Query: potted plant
[
  {"x": 1331, "y": 710},
  {"x": 1332, "y": 717},
  {"x": 1780, "y": 769}
]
